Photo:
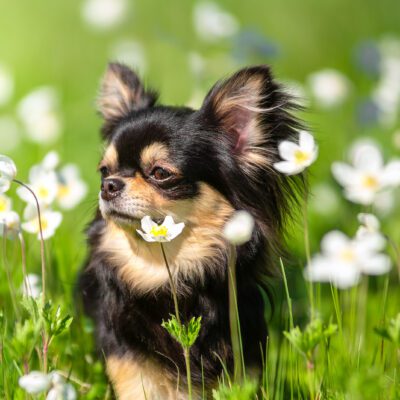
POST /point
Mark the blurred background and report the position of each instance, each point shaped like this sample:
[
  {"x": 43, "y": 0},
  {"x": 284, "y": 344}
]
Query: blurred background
[{"x": 340, "y": 58}]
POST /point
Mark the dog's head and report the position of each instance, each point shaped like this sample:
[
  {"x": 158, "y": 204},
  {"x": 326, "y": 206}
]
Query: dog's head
[{"x": 196, "y": 165}]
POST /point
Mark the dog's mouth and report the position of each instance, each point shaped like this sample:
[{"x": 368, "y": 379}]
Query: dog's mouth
[{"x": 122, "y": 216}]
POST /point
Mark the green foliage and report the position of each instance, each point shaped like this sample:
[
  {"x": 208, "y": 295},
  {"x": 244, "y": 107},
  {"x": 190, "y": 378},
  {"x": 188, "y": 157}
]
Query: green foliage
[
  {"x": 55, "y": 322},
  {"x": 391, "y": 331},
  {"x": 186, "y": 335},
  {"x": 307, "y": 340},
  {"x": 243, "y": 391}
]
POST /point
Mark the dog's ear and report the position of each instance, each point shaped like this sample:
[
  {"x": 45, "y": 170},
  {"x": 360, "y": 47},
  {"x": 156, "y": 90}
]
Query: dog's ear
[
  {"x": 243, "y": 108},
  {"x": 121, "y": 92}
]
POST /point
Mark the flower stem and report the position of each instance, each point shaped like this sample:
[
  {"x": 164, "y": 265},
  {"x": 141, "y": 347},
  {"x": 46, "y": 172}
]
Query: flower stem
[
  {"x": 23, "y": 260},
  {"x": 307, "y": 248},
  {"x": 8, "y": 273},
  {"x": 173, "y": 288},
  {"x": 186, "y": 350},
  {"x": 234, "y": 317},
  {"x": 42, "y": 254}
]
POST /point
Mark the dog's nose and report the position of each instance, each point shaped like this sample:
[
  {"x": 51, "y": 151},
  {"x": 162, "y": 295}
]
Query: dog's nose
[{"x": 111, "y": 188}]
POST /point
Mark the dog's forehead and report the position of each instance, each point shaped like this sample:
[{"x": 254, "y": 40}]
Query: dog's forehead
[{"x": 149, "y": 136}]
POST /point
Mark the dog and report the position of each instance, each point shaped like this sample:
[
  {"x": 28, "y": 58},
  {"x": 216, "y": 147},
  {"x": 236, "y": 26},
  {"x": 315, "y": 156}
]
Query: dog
[{"x": 197, "y": 166}]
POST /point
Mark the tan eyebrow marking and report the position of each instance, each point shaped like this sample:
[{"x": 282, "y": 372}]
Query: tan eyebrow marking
[
  {"x": 110, "y": 158},
  {"x": 154, "y": 152}
]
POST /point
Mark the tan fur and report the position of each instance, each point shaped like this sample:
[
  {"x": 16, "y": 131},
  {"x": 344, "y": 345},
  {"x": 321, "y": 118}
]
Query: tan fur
[
  {"x": 110, "y": 158},
  {"x": 116, "y": 97},
  {"x": 142, "y": 379},
  {"x": 154, "y": 152},
  {"x": 245, "y": 93},
  {"x": 141, "y": 264}
]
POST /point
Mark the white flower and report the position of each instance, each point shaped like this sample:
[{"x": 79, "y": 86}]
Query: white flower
[
  {"x": 10, "y": 222},
  {"x": 368, "y": 175},
  {"x": 104, "y": 14},
  {"x": 60, "y": 389},
  {"x": 329, "y": 87},
  {"x": 342, "y": 260},
  {"x": 239, "y": 228},
  {"x": 297, "y": 157},
  {"x": 369, "y": 224},
  {"x": 32, "y": 286},
  {"x": 8, "y": 171},
  {"x": 50, "y": 221},
  {"x": 40, "y": 116},
  {"x": 167, "y": 231},
  {"x": 213, "y": 23},
  {"x": 35, "y": 382},
  {"x": 44, "y": 184},
  {"x": 131, "y": 53},
  {"x": 71, "y": 189},
  {"x": 50, "y": 161},
  {"x": 6, "y": 85},
  {"x": 9, "y": 133},
  {"x": 62, "y": 392}
]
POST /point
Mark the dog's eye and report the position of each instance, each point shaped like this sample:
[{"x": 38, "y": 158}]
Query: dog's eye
[
  {"x": 104, "y": 171},
  {"x": 160, "y": 174}
]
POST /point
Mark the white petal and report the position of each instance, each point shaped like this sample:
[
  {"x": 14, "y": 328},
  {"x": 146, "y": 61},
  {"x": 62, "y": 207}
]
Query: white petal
[
  {"x": 288, "y": 167},
  {"x": 344, "y": 173},
  {"x": 369, "y": 243},
  {"x": 376, "y": 265},
  {"x": 145, "y": 236},
  {"x": 391, "y": 174},
  {"x": 287, "y": 149},
  {"x": 168, "y": 222},
  {"x": 367, "y": 157},
  {"x": 51, "y": 160},
  {"x": 333, "y": 242},
  {"x": 239, "y": 229},
  {"x": 147, "y": 224},
  {"x": 35, "y": 382},
  {"x": 346, "y": 276},
  {"x": 360, "y": 195},
  {"x": 369, "y": 221},
  {"x": 174, "y": 231},
  {"x": 306, "y": 141}
]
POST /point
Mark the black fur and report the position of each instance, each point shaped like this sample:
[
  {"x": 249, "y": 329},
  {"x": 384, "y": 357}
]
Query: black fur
[{"x": 130, "y": 323}]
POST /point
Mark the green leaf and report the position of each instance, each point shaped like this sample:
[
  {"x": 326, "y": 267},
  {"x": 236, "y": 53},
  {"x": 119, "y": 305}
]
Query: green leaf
[
  {"x": 314, "y": 333},
  {"x": 185, "y": 335},
  {"x": 391, "y": 331}
]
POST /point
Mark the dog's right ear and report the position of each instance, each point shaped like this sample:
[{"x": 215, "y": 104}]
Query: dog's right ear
[{"x": 121, "y": 93}]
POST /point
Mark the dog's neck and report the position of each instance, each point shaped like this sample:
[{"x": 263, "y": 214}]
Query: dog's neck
[{"x": 198, "y": 250}]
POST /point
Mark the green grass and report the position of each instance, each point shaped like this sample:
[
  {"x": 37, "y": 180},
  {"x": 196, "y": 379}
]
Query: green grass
[{"x": 46, "y": 43}]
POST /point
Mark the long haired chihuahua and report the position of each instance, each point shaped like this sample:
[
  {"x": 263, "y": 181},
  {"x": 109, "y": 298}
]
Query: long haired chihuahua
[{"x": 197, "y": 166}]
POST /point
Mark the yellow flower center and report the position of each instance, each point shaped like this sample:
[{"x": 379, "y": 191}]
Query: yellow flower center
[
  {"x": 370, "y": 182},
  {"x": 43, "y": 192},
  {"x": 347, "y": 255},
  {"x": 63, "y": 191},
  {"x": 158, "y": 231},
  {"x": 3, "y": 205},
  {"x": 300, "y": 157},
  {"x": 45, "y": 224}
]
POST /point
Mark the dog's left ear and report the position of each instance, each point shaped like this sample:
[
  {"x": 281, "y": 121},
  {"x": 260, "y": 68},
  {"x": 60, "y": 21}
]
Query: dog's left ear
[
  {"x": 121, "y": 93},
  {"x": 239, "y": 107}
]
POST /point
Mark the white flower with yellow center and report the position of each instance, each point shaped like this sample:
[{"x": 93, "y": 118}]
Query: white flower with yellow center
[
  {"x": 8, "y": 171},
  {"x": 342, "y": 260},
  {"x": 44, "y": 184},
  {"x": 165, "y": 232},
  {"x": 297, "y": 157},
  {"x": 367, "y": 176},
  {"x": 71, "y": 189},
  {"x": 50, "y": 221}
]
